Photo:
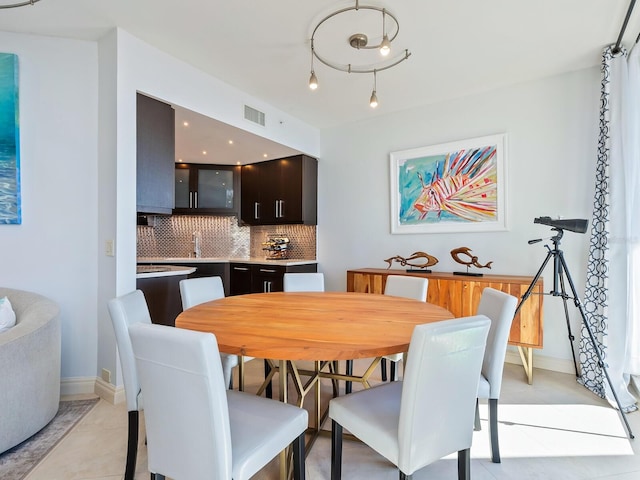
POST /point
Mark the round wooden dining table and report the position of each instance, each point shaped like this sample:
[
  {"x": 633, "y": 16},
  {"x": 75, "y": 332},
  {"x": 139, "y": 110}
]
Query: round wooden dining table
[{"x": 311, "y": 325}]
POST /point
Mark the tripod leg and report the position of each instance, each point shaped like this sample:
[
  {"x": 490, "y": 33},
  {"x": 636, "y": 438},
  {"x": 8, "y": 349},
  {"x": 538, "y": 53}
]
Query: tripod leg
[
  {"x": 527, "y": 294},
  {"x": 566, "y": 316},
  {"x": 592, "y": 338}
]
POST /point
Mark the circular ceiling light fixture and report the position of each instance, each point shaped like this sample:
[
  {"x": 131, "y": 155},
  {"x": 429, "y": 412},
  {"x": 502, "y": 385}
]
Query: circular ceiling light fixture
[
  {"x": 372, "y": 49},
  {"x": 18, "y": 4}
]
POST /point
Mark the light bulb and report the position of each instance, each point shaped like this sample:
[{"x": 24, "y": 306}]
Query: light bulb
[
  {"x": 313, "y": 81},
  {"x": 385, "y": 46},
  {"x": 373, "y": 101}
]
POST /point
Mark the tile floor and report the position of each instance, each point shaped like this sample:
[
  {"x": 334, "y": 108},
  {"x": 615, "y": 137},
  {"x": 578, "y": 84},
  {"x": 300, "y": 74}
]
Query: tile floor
[{"x": 553, "y": 429}]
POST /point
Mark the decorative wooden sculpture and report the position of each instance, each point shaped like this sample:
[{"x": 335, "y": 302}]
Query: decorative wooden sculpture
[
  {"x": 430, "y": 261},
  {"x": 473, "y": 260}
]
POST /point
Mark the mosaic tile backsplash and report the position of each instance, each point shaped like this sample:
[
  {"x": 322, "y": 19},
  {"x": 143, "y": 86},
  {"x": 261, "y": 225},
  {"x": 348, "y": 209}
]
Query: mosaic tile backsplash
[{"x": 171, "y": 236}]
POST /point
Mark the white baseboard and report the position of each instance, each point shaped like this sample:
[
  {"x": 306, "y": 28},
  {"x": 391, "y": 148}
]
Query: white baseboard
[
  {"x": 92, "y": 385},
  {"x": 562, "y": 365},
  {"x": 77, "y": 385},
  {"x": 109, "y": 392}
]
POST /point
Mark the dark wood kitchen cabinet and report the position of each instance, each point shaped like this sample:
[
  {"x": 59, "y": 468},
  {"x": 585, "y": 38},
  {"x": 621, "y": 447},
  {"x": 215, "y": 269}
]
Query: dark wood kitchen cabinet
[
  {"x": 282, "y": 191},
  {"x": 262, "y": 278},
  {"x": 155, "y": 155},
  {"x": 204, "y": 189}
]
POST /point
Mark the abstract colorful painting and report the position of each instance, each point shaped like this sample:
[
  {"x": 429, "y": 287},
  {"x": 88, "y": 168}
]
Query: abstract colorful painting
[
  {"x": 10, "y": 211},
  {"x": 453, "y": 187}
]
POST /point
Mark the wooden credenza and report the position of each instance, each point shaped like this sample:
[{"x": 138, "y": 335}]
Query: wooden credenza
[{"x": 460, "y": 294}]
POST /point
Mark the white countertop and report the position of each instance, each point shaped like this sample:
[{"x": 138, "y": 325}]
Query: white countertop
[
  {"x": 254, "y": 260},
  {"x": 147, "y": 271}
]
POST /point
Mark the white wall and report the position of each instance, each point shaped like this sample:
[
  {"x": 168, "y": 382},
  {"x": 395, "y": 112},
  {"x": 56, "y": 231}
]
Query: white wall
[
  {"x": 552, "y": 131},
  {"x": 141, "y": 68},
  {"x": 54, "y": 250}
]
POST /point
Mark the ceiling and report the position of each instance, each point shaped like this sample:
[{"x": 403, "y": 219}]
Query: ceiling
[{"x": 458, "y": 48}]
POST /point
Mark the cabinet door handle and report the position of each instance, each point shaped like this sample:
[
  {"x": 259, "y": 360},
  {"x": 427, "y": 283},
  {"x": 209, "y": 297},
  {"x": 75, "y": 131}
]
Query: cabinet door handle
[
  {"x": 195, "y": 194},
  {"x": 281, "y": 202},
  {"x": 241, "y": 269},
  {"x": 268, "y": 287},
  {"x": 277, "y": 207},
  {"x": 256, "y": 210},
  {"x": 190, "y": 199},
  {"x": 267, "y": 270}
]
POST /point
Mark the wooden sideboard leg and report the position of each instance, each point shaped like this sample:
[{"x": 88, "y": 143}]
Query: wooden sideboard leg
[{"x": 526, "y": 355}]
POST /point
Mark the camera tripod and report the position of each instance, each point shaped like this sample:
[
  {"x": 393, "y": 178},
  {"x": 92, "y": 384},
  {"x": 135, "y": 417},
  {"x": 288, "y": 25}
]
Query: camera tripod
[{"x": 560, "y": 271}]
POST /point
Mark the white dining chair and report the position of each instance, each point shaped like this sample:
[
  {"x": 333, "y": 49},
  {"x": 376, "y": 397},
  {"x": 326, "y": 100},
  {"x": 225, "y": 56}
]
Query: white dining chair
[
  {"x": 194, "y": 291},
  {"x": 196, "y": 428},
  {"x": 303, "y": 282},
  {"x": 430, "y": 413},
  {"x": 500, "y": 307},
  {"x": 399, "y": 286},
  {"x": 125, "y": 311},
  {"x": 408, "y": 287}
]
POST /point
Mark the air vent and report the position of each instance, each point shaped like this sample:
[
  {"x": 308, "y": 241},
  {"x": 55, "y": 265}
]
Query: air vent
[{"x": 253, "y": 115}]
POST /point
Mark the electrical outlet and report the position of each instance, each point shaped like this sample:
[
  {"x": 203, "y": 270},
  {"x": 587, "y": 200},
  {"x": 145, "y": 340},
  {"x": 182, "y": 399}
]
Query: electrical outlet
[
  {"x": 106, "y": 375},
  {"x": 109, "y": 248}
]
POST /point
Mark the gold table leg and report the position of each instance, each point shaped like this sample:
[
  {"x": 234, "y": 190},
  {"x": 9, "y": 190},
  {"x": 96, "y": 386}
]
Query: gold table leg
[
  {"x": 282, "y": 378},
  {"x": 526, "y": 355}
]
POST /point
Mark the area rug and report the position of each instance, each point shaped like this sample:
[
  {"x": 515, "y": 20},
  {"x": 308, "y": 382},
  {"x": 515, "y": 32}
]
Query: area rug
[{"x": 18, "y": 461}]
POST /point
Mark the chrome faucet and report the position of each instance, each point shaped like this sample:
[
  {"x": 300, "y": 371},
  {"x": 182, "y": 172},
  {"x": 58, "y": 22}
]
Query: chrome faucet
[{"x": 195, "y": 240}]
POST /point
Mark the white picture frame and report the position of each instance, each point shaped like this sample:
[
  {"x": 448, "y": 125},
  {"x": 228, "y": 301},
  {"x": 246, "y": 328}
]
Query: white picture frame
[{"x": 451, "y": 187}]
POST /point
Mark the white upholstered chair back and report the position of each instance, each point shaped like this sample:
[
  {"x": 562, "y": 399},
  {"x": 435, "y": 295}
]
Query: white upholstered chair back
[
  {"x": 125, "y": 311},
  {"x": 438, "y": 391},
  {"x": 406, "y": 286},
  {"x": 194, "y": 291},
  {"x": 186, "y": 412},
  {"x": 304, "y": 282},
  {"x": 500, "y": 307}
]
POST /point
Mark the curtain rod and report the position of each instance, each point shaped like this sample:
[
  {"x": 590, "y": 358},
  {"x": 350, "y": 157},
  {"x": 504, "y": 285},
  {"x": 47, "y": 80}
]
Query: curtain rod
[{"x": 616, "y": 49}]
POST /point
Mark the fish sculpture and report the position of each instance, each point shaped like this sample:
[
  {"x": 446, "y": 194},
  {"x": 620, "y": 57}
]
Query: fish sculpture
[
  {"x": 430, "y": 260},
  {"x": 464, "y": 185},
  {"x": 473, "y": 260}
]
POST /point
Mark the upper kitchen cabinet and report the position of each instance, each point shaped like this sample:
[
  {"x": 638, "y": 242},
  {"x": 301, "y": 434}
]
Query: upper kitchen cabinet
[
  {"x": 206, "y": 189},
  {"x": 280, "y": 191},
  {"x": 155, "y": 156}
]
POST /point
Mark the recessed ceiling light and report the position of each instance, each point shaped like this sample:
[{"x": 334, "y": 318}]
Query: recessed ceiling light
[
  {"x": 237, "y": 163},
  {"x": 179, "y": 159},
  {"x": 204, "y": 152},
  {"x": 186, "y": 124},
  {"x": 265, "y": 155},
  {"x": 230, "y": 142}
]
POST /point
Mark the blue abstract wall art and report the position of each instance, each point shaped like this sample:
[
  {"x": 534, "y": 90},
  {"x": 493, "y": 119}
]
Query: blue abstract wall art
[{"x": 10, "y": 210}]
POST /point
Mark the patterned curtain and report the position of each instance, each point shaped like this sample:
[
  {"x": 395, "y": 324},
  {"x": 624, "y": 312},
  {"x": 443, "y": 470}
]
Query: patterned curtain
[{"x": 609, "y": 290}]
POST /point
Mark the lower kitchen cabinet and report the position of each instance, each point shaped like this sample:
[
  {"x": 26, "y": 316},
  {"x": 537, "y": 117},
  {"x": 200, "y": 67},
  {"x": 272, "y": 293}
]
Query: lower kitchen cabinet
[
  {"x": 262, "y": 278},
  {"x": 210, "y": 270},
  {"x": 163, "y": 298}
]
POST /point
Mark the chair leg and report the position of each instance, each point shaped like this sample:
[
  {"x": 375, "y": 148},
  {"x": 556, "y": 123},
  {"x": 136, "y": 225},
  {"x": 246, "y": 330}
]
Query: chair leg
[
  {"x": 132, "y": 445},
  {"x": 336, "y": 450},
  {"x": 476, "y": 422},
  {"x": 383, "y": 369},
  {"x": 348, "y": 385},
  {"x": 157, "y": 476},
  {"x": 464, "y": 464},
  {"x": 298, "y": 458},
  {"x": 392, "y": 371},
  {"x": 268, "y": 392},
  {"x": 493, "y": 430},
  {"x": 404, "y": 476}
]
